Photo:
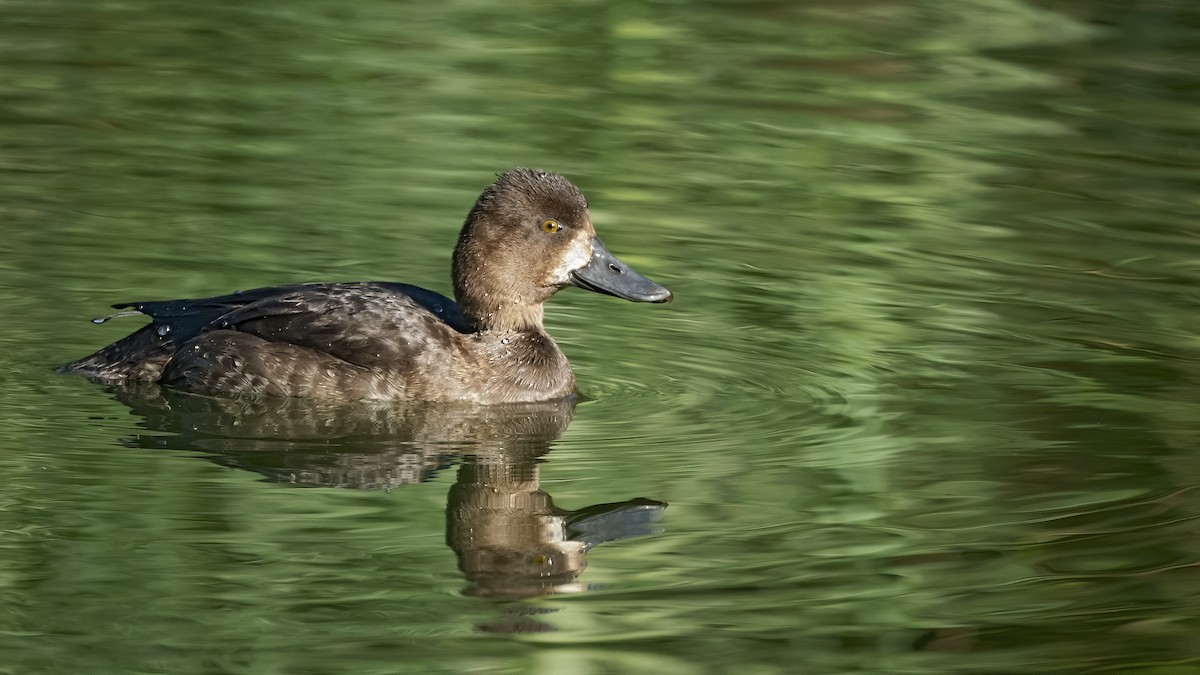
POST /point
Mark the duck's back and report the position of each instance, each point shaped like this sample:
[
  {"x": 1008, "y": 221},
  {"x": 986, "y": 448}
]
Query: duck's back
[{"x": 351, "y": 340}]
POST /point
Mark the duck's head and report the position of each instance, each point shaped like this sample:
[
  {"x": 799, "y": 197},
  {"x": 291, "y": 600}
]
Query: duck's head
[{"x": 528, "y": 236}]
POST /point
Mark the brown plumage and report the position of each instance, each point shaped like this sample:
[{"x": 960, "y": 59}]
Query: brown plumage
[{"x": 528, "y": 236}]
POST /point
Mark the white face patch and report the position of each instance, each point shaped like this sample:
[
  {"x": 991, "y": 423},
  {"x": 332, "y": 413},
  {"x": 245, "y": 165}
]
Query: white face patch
[{"x": 575, "y": 257}]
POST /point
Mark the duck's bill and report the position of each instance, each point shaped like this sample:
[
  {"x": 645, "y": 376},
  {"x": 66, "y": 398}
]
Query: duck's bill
[{"x": 604, "y": 273}]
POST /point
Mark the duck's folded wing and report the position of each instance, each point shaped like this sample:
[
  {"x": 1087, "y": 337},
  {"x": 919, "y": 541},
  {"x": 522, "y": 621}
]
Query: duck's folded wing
[
  {"x": 182, "y": 320},
  {"x": 365, "y": 325},
  {"x": 142, "y": 355}
]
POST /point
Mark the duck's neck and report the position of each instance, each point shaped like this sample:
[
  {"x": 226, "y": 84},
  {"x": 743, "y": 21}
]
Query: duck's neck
[
  {"x": 500, "y": 316},
  {"x": 494, "y": 295}
]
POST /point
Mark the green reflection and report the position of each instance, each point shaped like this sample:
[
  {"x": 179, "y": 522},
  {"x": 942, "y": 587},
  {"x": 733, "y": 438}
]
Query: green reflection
[{"x": 926, "y": 397}]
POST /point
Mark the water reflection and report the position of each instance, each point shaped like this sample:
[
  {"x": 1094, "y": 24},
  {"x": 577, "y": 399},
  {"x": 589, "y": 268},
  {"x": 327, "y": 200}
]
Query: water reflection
[{"x": 511, "y": 541}]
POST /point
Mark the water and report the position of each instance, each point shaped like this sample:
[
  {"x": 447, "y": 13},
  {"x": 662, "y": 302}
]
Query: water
[{"x": 926, "y": 399}]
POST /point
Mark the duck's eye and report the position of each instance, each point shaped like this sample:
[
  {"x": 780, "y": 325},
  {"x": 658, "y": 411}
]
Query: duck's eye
[{"x": 551, "y": 226}]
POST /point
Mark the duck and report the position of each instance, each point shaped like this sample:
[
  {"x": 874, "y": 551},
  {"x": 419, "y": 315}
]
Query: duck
[{"x": 528, "y": 236}]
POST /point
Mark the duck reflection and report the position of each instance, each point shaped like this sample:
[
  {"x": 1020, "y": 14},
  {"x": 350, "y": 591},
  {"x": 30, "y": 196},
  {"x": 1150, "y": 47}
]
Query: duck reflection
[{"x": 511, "y": 541}]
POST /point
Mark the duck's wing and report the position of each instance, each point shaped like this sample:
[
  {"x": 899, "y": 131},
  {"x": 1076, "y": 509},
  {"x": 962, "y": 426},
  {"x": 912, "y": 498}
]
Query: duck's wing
[
  {"x": 141, "y": 355},
  {"x": 347, "y": 320},
  {"x": 182, "y": 320},
  {"x": 363, "y": 324}
]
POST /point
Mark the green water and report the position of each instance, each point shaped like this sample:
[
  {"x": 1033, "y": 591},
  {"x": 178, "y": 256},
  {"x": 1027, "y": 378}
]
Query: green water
[{"x": 928, "y": 399}]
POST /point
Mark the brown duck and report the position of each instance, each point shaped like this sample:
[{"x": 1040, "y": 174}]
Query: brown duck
[{"x": 528, "y": 236}]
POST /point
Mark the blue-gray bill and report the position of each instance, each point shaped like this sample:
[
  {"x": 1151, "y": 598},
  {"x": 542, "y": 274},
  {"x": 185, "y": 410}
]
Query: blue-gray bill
[{"x": 604, "y": 273}]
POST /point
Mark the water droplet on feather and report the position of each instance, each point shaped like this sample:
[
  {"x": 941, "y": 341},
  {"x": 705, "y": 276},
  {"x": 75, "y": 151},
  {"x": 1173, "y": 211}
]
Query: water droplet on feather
[{"x": 103, "y": 319}]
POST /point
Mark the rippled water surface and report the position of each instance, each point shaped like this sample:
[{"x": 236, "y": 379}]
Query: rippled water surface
[{"x": 927, "y": 400}]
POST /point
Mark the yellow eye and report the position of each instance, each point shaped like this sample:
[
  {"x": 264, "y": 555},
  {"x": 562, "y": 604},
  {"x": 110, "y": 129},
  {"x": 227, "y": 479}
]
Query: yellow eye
[{"x": 551, "y": 226}]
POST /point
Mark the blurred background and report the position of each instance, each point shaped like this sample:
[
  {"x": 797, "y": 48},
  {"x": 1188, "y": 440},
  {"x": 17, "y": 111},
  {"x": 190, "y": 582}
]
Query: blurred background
[{"x": 927, "y": 399}]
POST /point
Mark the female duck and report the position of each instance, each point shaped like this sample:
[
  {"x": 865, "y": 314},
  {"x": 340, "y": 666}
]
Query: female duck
[{"x": 528, "y": 236}]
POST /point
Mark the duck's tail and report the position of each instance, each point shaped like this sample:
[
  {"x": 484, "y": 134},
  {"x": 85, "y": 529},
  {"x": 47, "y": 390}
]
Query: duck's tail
[{"x": 139, "y": 356}]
